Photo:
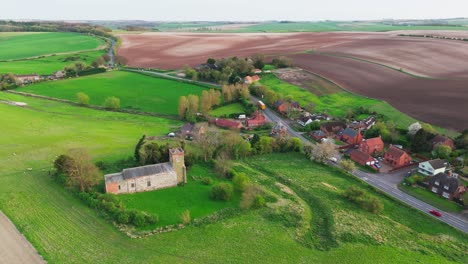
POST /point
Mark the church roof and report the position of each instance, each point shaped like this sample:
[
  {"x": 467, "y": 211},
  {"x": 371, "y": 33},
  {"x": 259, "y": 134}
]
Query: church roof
[{"x": 137, "y": 172}]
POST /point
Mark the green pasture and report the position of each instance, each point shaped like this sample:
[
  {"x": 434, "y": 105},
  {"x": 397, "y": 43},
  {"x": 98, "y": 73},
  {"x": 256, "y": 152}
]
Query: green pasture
[
  {"x": 20, "y": 45},
  {"x": 47, "y": 65},
  {"x": 135, "y": 91},
  {"x": 226, "y": 110}
]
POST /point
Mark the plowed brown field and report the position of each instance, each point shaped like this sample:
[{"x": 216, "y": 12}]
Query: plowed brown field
[{"x": 437, "y": 101}]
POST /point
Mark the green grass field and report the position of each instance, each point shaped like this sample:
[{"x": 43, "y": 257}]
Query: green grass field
[
  {"x": 169, "y": 203},
  {"x": 337, "y": 104},
  {"x": 47, "y": 65},
  {"x": 135, "y": 91},
  {"x": 26, "y": 45},
  {"x": 227, "y": 110},
  {"x": 64, "y": 230}
]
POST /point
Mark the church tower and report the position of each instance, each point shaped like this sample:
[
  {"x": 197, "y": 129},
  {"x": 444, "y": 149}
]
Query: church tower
[{"x": 176, "y": 157}]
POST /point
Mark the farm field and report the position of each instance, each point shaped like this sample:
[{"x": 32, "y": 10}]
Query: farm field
[
  {"x": 135, "y": 91},
  {"x": 169, "y": 203},
  {"x": 27, "y": 45},
  {"x": 402, "y": 91},
  {"x": 62, "y": 229},
  {"x": 47, "y": 65},
  {"x": 226, "y": 110}
]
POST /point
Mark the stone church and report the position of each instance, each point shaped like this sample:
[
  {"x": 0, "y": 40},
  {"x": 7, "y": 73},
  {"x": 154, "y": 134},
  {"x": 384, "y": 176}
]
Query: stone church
[{"x": 150, "y": 177}]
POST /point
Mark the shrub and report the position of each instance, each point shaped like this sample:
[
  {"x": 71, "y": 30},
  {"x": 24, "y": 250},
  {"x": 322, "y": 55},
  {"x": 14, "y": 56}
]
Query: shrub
[
  {"x": 185, "y": 217},
  {"x": 259, "y": 201},
  {"x": 222, "y": 191},
  {"x": 348, "y": 165},
  {"x": 249, "y": 197},
  {"x": 62, "y": 162},
  {"x": 207, "y": 181},
  {"x": 112, "y": 103},
  {"x": 240, "y": 181},
  {"x": 151, "y": 219},
  {"x": 373, "y": 205},
  {"x": 365, "y": 201},
  {"x": 82, "y": 98},
  {"x": 123, "y": 217},
  {"x": 138, "y": 219}
]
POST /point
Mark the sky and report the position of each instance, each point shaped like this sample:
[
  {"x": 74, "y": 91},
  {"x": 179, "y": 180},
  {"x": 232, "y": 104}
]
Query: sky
[{"x": 231, "y": 10}]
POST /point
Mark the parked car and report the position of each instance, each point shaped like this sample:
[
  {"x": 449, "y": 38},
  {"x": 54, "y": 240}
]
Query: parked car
[
  {"x": 333, "y": 159},
  {"x": 436, "y": 213},
  {"x": 377, "y": 165}
]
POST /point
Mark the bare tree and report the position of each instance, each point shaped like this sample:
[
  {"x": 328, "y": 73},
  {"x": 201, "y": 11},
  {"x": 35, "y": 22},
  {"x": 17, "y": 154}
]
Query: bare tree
[
  {"x": 81, "y": 171},
  {"x": 323, "y": 151}
]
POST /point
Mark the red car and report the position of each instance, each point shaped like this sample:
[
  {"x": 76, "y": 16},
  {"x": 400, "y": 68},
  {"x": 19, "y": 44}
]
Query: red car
[{"x": 436, "y": 213}]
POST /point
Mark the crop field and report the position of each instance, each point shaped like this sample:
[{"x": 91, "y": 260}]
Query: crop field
[
  {"x": 135, "y": 91},
  {"x": 26, "y": 45},
  {"x": 62, "y": 229},
  {"x": 228, "y": 109},
  {"x": 169, "y": 203},
  {"x": 47, "y": 65},
  {"x": 413, "y": 96}
]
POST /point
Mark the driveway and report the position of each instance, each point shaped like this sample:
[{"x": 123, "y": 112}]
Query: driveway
[{"x": 14, "y": 248}]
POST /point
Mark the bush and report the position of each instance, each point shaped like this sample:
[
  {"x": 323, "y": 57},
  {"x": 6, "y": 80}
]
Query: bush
[
  {"x": 207, "y": 181},
  {"x": 259, "y": 201},
  {"x": 138, "y": 218},
  {"x": 82, "y": 98},
  {"x": 151, "y": 219},
  {"x": 251, "y": 197},
  {"x": 112, "y": 103},
  {"x": 365, "y": 201},
  {"x": 123, "y": 217},
  {"x": 240, "y": 181},
  {"x": 185, "y": 217},
  {"x": 222, "y": 191}
]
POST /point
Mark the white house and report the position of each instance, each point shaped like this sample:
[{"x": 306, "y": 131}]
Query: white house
[{"x": 432, "y": 167}]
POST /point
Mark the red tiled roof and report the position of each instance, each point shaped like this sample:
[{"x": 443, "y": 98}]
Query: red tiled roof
[
  {"x": 228, "y": 123},
  {"x": 395, "y": 152},
  {"x": 371, "y": 142}
]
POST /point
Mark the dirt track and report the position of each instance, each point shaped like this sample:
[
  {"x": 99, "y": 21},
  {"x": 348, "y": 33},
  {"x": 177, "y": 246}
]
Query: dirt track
[{"x": 14, "y": 248}]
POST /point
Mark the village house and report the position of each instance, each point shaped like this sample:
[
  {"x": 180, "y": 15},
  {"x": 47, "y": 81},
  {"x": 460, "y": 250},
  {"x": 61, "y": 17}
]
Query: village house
[
  {"x": 372, "y": 146},
  {"x": 332, "y": 128},
  {"x": 446, "y": 186},
  {"x": 363, "y": 124},
  {"x": 396, "y": 157},
  {"x": 351, "y": 136},
  {"x": 283, "y": 106},
  {"x": 257, "y": 119},
  {"x": 432, "y": 167},
  {"x": 318, "y": 135},
  {"x": 279, "y": 130},
  {"x": 257, "y": 71},
  {"x": 304, "y": 120},
  {"x": 442, "y": 140},
  {"x": 57, "y": 75},
  {"x": 150, "y": 177},
  {"x": 30, "y": 78},
  {"x": 186, "y": 131},
  {"x": 361, "y": 157},
  {"x": 251, "y": 79}
]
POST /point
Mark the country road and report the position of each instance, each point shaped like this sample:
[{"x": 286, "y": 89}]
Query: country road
[
  {"x": 14, "y": 248},
  {"x": 379, "y": 181}
]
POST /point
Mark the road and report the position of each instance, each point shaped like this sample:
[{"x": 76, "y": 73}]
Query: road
[
  {"x": 387, "y": 182},
  {"x": 14, "y": 248}
]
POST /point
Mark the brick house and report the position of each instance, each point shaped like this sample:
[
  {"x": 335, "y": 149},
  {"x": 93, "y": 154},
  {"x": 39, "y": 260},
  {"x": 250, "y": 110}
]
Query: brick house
[
  {"x": 396, "y": 157},
  {"x": 372, "y": 146},
  {"x": 318, "y": 135},
  {"x": 361, "y": 157},
  {"x": 442, "y": 140},
  {"x": 229, "y": 124},
  {"x": 351, "y": 136},
  {"x": 150, "y": 177},
  {"x": 257, "y": 119},
  {"x": 251, "y": 79},
  {"x": 331, "y": 128},
  {"x": 446, "y": 186},
  {"x": 283, "y": 106},
  {"x": 29, "y": 78}
]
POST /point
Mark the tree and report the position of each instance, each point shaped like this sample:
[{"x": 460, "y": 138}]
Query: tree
[
  {"x": 112, "y": 103},
  {"x": 282, "y": 62},
  {"x": 323, "y": 151},
  {"x": 429, "y": 129},
  {"x": 61, "y": 163},
  {"x": 121, "y": 60},
  {"x": 79, "y": 67},
  {"x": 222, "y": 191},
  {"x": 420, "y": 142},
  {"x": 461, "y": 142},
  {"x": 258, "y": 61},
  {"x": 138, "y": 146},
  {"x": 211, "y": 61},
  {"x": 82, "y": 98},
  {"x": 80, "y": 170},
  {"x": 240, "y": 181},
  {"x": 193, "y": 105},
  {"x": 223, "y": 166},
  {"x": 106, "y": 57},
  {"x": 183, "y": 106},
  {"x": 252, "y": 197},
  {"x": 98, "y": 62},
  {"x": 264, "y": 145},
  {"x": 215, "y": 96},
  {"x": 413, "y": 128},
  {"x": 206, "y": 103},
  {"x": 348, "y": 165},
  {"x": 442, "y": 152}
]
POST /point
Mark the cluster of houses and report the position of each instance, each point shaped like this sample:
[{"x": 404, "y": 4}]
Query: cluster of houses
[
  {"x": 32, "y": 78},
  {"x": 441, "y": 180},
  {"x": 255, "y": 120}
]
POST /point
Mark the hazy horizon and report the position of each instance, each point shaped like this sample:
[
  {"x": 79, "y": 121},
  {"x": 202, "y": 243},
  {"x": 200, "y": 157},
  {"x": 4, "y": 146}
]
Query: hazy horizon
[{"x": 240, "y": 10}]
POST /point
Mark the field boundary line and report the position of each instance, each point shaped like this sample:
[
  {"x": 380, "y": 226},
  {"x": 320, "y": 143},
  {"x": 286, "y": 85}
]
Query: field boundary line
[{"x": 95, "y": 107}]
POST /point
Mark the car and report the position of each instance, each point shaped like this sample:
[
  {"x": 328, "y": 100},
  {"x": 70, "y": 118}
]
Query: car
[
  {"x": 436, "y": 213},
  {"x": 333, "y": 159},
  {"x": 377, "y": 165}
]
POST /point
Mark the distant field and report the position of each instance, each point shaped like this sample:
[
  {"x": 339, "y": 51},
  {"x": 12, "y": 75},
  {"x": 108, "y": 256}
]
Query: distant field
[
  {"x": 169, "y": 203},
  {"x": 47, "y": 64},
  {"x": 21, "y": 45},
  {"x": 228, "y": 109},
  {"x": 339, "y": 26},
  {"x": 135, "y": 91}
]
